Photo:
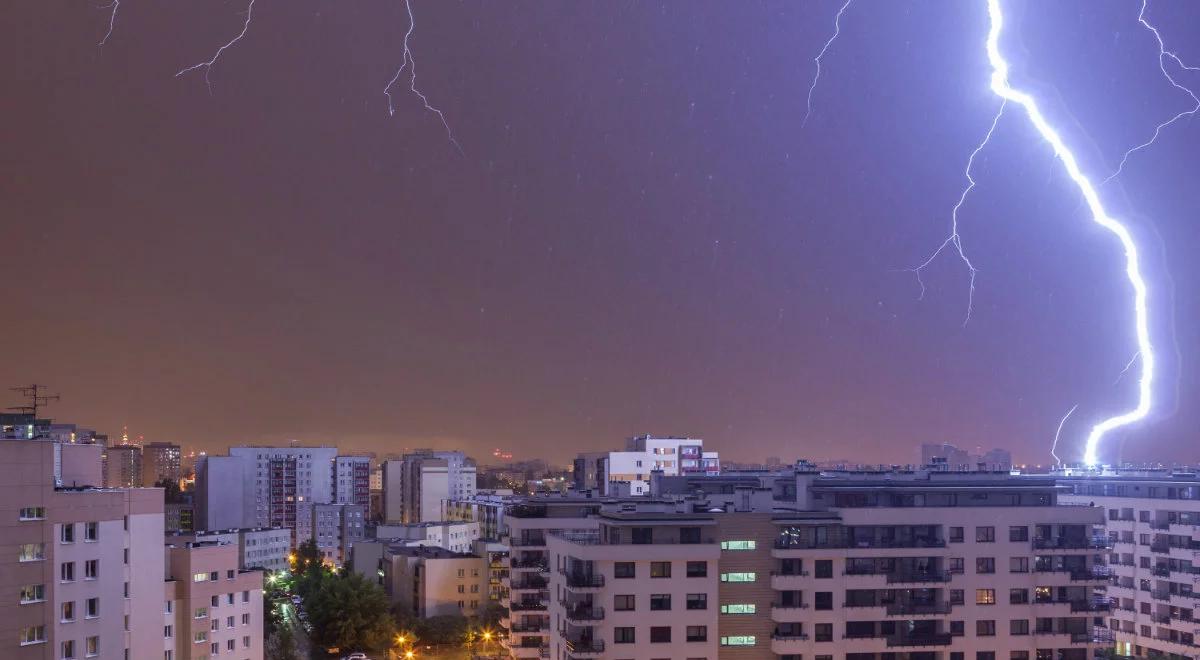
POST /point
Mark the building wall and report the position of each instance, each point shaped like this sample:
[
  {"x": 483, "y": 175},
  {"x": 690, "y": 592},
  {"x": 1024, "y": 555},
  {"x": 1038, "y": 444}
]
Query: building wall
[
  {"x": 733, "y": 530},
  {"x": 201, "y": 624},
  {"x": 224, "y": 497}
]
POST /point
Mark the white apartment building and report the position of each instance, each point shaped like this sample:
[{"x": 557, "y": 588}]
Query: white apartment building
[
  {"x": 415, "y": 485},
  {"x": 285, "y": 477},
  {"x": 258, "y": 547},
  {"x": 628, "y": 473},
  {"x": 1153, "y": 521},
  {"x": 352, "y": 481},
  {"x": 485, "y": 508},
  {"x": 455, "y": 536},
  {"x": 212, "y": 609},
  {"x": 427, "y": 581},
  {"x": 861, "y": 566}
]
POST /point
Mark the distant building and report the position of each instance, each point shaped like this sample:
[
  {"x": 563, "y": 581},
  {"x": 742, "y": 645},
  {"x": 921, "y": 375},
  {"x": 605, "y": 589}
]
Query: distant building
[
  {"x": 285, "y": 477},
  {"x": 123, "y": 466},
  {"x": 643, "y": 455},
  {"x": 225, "y": 496},
  {"x": 266, "y": 548},
  {"x": 485, "y": 509},
  {"x": 180, "y": 517},
  {"x": 456, "y": 536},
  {"x": 21, "y": 426},
  {"x": 334, "y": 527},
  {"x": 414, "y": 486},
  {"x": 960, "y": 460},
  {"x": 352, "y": 481},
  {"x": 161, "y": 461}
]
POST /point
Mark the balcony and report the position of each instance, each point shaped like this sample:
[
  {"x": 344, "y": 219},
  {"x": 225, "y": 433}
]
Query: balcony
[
  {"x": 526, "y": 511},
  {"x": 916, "y": 577},
  {"x": 1072, "y": 543},
  {"x": 788, "y": 613},
  {"x": 532, "y": 651},
  {"x": 905, "y": 609},
  {"x": 931, "y": 639},
  {"x": 1160, "y": 547},
  {"x": 789, "y": 543},
  {"x": 583, "y": 580},
  {"x": 1094, "y": 574},
  {"x": 582, "y": 612},
  {"x": 1093, "y": 605},
  {"x": 790, "y": 644},
  {"x": 530, "y": 627},
  {"x": 530, "y": 542},
  {"x": 530, "y": 565},
  {"x": 1162, "y": 571},
  {"x": 527, "y": 606},
  {"x": 530, "y": 583},
  {"x": 584, "y": 647},
  {"x": 1161, "y": 594}
]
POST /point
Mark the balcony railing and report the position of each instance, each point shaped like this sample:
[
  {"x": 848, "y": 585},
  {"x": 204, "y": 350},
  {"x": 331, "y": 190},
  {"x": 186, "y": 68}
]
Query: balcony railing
[
  {"x": 1093, "y": 605},
  {"x": 1162, "y": 571},
  {"x": 533, "y": 542},
  {"x": 1161, "y": 547},
  {"x": 530, "y": 627},
  {"x": 787, "y": 543},
  {"x": 1094, "y": 573},
  {"x": 790, "y": 606},
  {"x": 931, "y": 639},
  {"x": 585, "y": 645},
  {"x": 540, "y": 564},
  {"x": 576, "y": 612},
  {"x": 583, "y": 580},
  {"x": 1072, "y": 543},
  {"x": 789, "y": 573},
  {"x": 897, "y": 609},
  {"x": 530, "y": 583},
  {"x": 918, "y": 576},
  {"x": 789, "y": 637},
  {"x": 527, "y": 606}
]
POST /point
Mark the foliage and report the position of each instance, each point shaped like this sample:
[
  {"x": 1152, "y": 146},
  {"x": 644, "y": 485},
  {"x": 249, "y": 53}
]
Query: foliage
[
  {"x": 346, "y": 611},
  {"x": 172, "y": 494},
  {"x": 281, "y": 645},
  {"x": 445, "y": 629}
]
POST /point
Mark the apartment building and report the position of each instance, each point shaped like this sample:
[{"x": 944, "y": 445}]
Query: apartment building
[
  {"x": 285, "y": 477},
  {"x": 628, "y": 473},
  {"x": 415, "y": 485},
  {"x": 352, "y": 481},
  {"x": 1152, "y": 519},
  {"x": 213, "y": 608},
  {"x": 456, "y": 536},
  {"x": 334, "y": 528},
  {"x": 485, "y": 508},
  {"x": 81, "y": 568},
  {"x": 896, "y": 565},
  {"x": 427, "y": 581},
  {"x": 258, "y": 547},
  {"x": 123, "y": 466},
  {"x": 161, "y": 461}
]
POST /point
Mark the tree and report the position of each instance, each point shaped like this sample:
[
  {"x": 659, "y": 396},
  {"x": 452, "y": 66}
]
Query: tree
[
  {"x": 172, "y": 494},
  {"x": 348, "y": 612}
]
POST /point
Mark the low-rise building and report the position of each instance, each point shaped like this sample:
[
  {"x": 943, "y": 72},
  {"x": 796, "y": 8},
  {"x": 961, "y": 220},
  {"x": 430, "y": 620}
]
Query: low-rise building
[
  {"x": 266, "y": 548},
  {"x": 427, "y": 581},
  {"x": 455, "y": 536},
  {"x": 217, "y": 608},
  {"x": 485, "y": 508}
]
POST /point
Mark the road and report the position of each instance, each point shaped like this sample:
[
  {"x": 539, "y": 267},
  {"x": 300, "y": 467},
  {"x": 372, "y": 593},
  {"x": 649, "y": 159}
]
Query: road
[{"x": 303, "y": 643}]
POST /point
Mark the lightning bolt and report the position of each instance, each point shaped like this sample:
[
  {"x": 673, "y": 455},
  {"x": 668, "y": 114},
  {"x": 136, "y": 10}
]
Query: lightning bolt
[
  {"x": 1163, "y": 56},
  {"x": 1061, "y": 423},
  {"x": 837, "y": 29},
  {"x": 112, "y": 19},
  {"x": 1001, "y": 87},
  {"x": 407, "y": 62},
  {"x": 954, "y": 240},
  {"x": 207, "y": 66}
]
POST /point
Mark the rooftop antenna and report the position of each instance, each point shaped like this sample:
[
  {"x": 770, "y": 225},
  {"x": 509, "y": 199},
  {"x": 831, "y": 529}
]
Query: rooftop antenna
[{"x": 36, "y": 396}]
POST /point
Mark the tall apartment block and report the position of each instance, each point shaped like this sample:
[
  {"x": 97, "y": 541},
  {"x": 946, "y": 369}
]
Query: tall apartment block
[
  {"x": 352, "y": 481},
  {"x": 1153, "y": 522},
  {"x": 863, "y": 566},
  {"x": 212, "y": 608},
  {"x": 81, "y": 567},
  {"x": 285, "y": 477},
  {"x": 122, "y": 466},
  {"x": 161, "y": 461},
  {"x": 625, "y": 473},
  {"x": 334, "y": 528},
  {"x": 415, "y": 485}
]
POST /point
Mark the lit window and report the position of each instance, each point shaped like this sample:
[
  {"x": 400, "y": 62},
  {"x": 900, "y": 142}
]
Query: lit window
[
  {"x": 738, "y": 640},
  {"x": 738, "y": 545},
  {"x": 738, "y": 577},
  {"x": 33, "y": 593},
  {"x": 32, "y": 552},
  {"x": 33, "y": 513},
  {"x": 985, "y": 596},
  {"x": 738, "y": 608},
  {"x": 33, "y": 635}
]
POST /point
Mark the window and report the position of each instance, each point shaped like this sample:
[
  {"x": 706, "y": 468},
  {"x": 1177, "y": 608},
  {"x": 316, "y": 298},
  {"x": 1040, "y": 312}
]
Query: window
[
  {"x": 985, "y": 628},
  {"x": 91, "y": 608},
  {"x": 660, "y": 634},
  {"x": 214, "y": 576},
  {"x": 1018, "y": 596},
  {"x": 697, "y": 633},
  {"x": 660, "y": 569},
  {"x": 67, "y": 533},
  {"x": 823, "y": 632},
  {"x": 33, "y": 593},
  {"x": 738, "y": 640},
  {"x": 201, "y": 613},
  {"x": 229, "y": 574},
  {"x": 245, "y": 619},
  {"x": 68, "y": 612},
  {"x": 33, "y": 513},
  {"x": 230, "y": 644},
  {"x": 985, "y": 655},
  {"x": 738, "y": 545},
  {"x": 33, "y": 635},
  {"x": 985, "y": 565},
  {"x": 68, "y": 649},
  {"x": 624, "y": 602},
  {"x": 824, "y": 568},
  {"x": 985, "y": 596},
  {"x": 956, "y": 565},
  {"x": 246, "y": 596},
  {"x": 32, "y": 552},
  {"x": 738, "y": 608},
  {"x": 228, "y": 622},
  {"x": 957, "y": 628},
  {"x": 66, "y": 571},
  {"x": 91, "y": 646},
  {"x": 623, "y": 635},
  {"x": 1018, "y": 627},
  {"x": 1018, "y": 564},
  {"x": 697, "y": 569},
  {"x": 91, "y": 531},
  {"x": 199, "y": 577},
  {"x": 957, "y": 597},
  {"x": 91, "y": 569},
  {"x": 168, "y": 631},
  {"x": 215, "y": 647},
  {"x": 697, "y": 601},
  {"x": 215, "y": 601},
  {"x": 823, "y": 600},
  {"x": 1018, "y": 533},
  {"x": 956, "y": 534},
  {"x": 200, "y": 637},
  {"x": 246, "y": 641},
  {"x": 660, "y": 602},
  {"x": 624, "y": 569},
  {"x": 738, "y": 577},
  {"x": 1018, "y": 655},
  {"x": 985, "y": 534}
]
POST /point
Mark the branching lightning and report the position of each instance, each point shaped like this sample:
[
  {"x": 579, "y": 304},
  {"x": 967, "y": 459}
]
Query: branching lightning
[
  {"x": 1163, "y": 56},
  {"x": 1061, "y": 423},
  {"x": 409, "y": 63},
  {"x": 112, "y": 20},
  {"x": 954, "y": 239},
  {"x": 1001, "y": 87},
  {"x": 837, "y": 30},
  {"x": 207, "y": 66}
]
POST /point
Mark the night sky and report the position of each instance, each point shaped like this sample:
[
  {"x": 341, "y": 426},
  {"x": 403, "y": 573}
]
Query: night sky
[{"x": 638, "y": 237}]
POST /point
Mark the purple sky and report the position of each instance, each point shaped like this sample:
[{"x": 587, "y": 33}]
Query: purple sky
[{"x": 638, "y": 237}]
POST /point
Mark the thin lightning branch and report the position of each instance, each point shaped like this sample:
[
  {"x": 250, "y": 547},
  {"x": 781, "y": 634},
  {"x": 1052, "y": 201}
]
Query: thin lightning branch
[
  {"x": 1061, "y": 423},
  {"x": 207, "y": 66},
  {"x": 954, "y": 239},
  {"x": 1000, "y": 85},
  {"x": 1128, "y": 366},
  {"x": 112, "y": 19},
  {"x": 408, "y": 62},
  {"x": 837, "y": 29},
  {"x": 1163, "y": 55}
]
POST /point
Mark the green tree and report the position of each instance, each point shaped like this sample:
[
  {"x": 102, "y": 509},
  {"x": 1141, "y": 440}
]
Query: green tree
[
  {"x": 172, "y": 494},
  {"x": 349, "y": 612}
]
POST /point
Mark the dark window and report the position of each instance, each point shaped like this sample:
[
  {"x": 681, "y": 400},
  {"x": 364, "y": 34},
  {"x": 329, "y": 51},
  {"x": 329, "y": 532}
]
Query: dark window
[
  {"x": 958, "y": 628},
  {"x": 1018, "y": 533},
  {"x": 824, "y": 568},
  {"x": 624, "y": 569},
  {"x": 623, "y": 602},
  {"x": 957, "y": 597},
  {"x": 985, "y": 534},
  {"x": 985, "y": 628},
  {"x": 643, "y": 535},
  {"x": 1018, "y": 564},
  {"x": 660, "y": 634},
  {"x": 958, "y": 655},
  {"x": 689, "y": 534},
  {"x": 956, "y": 565},
  {"x": 956, "y": 534},
  {"x": 1018, "y": 655},
  {"x": 623, "y": 635},
  {"x": 660, "y": 569},
  {"x": 660, "y": 601},
  {"x": 985, "y": 564},
  {"x": 823, "y": 600},
  {"x": 1018, "y": 627},
  {"x": 697, "y": 601},
  {"x": 823, "y": 632},
  {"x": 697, "y": 633},
  {"x": 985, "y": 655},
  {"x": 1018, "y": 596},
  {"x": 697, "y": 569}
]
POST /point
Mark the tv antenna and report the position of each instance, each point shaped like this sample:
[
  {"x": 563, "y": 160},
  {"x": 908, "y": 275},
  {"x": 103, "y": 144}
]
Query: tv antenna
[{"x": 36, "y": 396}]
